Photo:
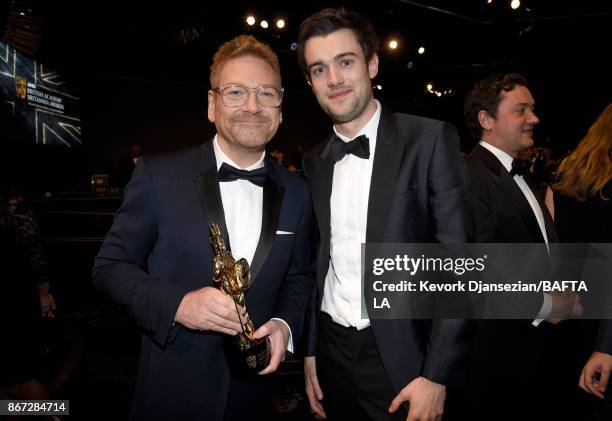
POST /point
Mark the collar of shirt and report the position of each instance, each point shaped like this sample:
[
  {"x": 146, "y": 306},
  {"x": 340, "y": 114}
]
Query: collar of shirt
[
  {"x": 503, "y": 157},
  {"x": 221, "y": 157},
  {"x": 370, "y": 130}
]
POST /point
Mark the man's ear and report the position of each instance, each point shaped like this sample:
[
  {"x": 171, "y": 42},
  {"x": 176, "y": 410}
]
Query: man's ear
[
  {"x": 307, "y": 76},
  {"x": 211, "y": 106},
  {"x": 373, "y": 66},
  {"x": 485, "y": 120}
]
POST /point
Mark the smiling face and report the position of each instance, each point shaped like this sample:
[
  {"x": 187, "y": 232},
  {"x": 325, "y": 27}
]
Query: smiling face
[
  {"x": 511, "y": 129},
  {"x": 340, "y": 76},
  {"x": 247, "y": 128}
]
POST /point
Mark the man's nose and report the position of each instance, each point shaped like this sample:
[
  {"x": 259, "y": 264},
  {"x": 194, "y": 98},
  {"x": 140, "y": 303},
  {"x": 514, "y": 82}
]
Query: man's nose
[
  {"x": 334, "y": 77},
  {"x": 252, "y": 103}
]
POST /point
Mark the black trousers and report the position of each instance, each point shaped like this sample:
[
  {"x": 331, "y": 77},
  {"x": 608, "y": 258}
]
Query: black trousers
[{"x": 351, "y": 374}]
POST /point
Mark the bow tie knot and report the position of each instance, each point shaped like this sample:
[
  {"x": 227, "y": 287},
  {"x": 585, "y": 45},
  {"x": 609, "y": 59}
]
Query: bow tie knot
[
  {"x": 359, "y": 147},
  {"x": 230, "y": 173},
  {"x": 520, "y": 167}
]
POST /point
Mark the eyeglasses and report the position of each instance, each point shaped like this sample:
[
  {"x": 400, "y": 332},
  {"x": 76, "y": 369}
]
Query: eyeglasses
[{"x": 236, "y": 95}]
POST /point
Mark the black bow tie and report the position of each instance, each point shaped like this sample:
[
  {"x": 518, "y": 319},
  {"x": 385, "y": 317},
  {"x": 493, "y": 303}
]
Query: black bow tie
[
  {"x": 359, "y": 147},
  {"x": 520, "y": 167},
  {"x": 229, "y": 173}
]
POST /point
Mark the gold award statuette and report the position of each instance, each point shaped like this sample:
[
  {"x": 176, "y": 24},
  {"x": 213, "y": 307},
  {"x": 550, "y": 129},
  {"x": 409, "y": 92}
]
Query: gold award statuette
[{"x": 234, "y": 279}]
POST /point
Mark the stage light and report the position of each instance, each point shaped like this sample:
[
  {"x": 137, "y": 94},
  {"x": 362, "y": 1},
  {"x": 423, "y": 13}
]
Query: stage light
[
  {"x": 429, "y": 87},
  {"x": 250, "y": 20},
  {"x": 393, "y": 44},
  {"x": 280, "y": 23},
  {"x": 379, "y": 87},
  {"x": 515, "y": 4},
  {"x": 264, "y": 24},
  {"x": 421, "y": 50}
]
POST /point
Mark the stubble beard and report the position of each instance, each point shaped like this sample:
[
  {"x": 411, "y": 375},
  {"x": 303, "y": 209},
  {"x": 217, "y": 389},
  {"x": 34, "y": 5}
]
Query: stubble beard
[
  {"x": 357, "y": 108},
  {"x": 251, "y": 138}
]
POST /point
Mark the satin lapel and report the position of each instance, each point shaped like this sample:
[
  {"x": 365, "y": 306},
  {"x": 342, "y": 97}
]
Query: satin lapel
[
  {"x": 387, "y": 161},
  {"x": 509, "y": 187},
  {"x": 207, "y": 187},
  {"x": 549, "y": 225},
  {"x": 273, "y": 194},
  {"x": 321, "y": 181}
]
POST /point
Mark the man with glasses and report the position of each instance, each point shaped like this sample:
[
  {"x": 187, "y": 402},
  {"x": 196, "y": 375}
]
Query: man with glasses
[{"x": 158, "y": 261}]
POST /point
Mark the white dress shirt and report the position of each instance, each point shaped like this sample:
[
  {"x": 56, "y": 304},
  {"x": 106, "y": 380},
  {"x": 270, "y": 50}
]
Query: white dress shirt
[
  {"x": 349, "y": 213},
  {"x": 506, "y": 161},
  {"x": 242, "y": 207}
]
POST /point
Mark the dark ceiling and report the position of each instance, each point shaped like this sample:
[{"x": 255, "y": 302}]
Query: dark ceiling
[
  {"x": 144, "y": 37},
  {"x": 562, "y": 47}
]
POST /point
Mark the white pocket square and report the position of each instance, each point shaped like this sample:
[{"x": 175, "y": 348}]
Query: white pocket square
[{"x": 279, "y": 232}]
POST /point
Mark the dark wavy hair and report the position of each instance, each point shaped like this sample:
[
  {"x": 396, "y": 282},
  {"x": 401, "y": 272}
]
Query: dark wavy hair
[
  {"x": 331, "y": 20},
  {"x": 486, "y": 95}
]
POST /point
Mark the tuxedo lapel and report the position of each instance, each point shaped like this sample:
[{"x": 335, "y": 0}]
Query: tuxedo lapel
[
  {"x": 549, "y": 225},
  {"x": 322, "y": 187},
  {"x": 273, "y": 194},
  {"x": 508, "y": 187},
  {"x": 207, "y": 187},
  {"x": 387, "y": 160},
  {"x": 321, "y": 182}
]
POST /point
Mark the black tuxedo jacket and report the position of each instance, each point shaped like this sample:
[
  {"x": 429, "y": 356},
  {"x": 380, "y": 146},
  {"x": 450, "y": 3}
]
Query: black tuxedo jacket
[
  {"x": 417, "y": 194},
  {"x": 502, "y": 214},
  {"x": 158, "y": 250}
]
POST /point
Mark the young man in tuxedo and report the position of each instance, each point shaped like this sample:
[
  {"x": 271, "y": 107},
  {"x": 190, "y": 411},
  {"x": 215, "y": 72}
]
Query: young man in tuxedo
[
  {"x": 157, "y": 258},
  {"x": 381, "y": 177},
  {"x": 507, "y": 374}
]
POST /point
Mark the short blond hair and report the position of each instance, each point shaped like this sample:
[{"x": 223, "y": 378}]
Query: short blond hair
[{"x": 240, "y": 46}]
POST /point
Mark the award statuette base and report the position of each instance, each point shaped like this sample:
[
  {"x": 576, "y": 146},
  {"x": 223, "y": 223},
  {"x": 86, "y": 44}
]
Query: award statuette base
[{"x": 251, "y": 360}]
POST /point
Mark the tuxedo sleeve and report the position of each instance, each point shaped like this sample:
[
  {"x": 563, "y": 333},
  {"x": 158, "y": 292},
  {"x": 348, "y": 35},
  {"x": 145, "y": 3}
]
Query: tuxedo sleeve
[
  {"x": 447, "y": 184},
  {"x": 311, "y": 325},
  {"x": 120, "y": 266},
  {"x": 297, "y": 286},
  {"x": 308, "y": 342},
  {"x": 447, "y": 188},
  {"x": 604, "y": 337},
  {"x": 447, "y": 351}
]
